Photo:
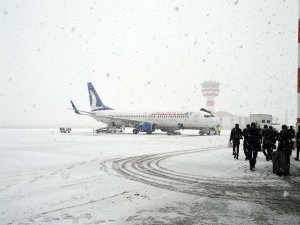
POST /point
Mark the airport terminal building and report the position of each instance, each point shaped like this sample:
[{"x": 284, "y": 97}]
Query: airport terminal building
[{"x": 228, "y": 120}]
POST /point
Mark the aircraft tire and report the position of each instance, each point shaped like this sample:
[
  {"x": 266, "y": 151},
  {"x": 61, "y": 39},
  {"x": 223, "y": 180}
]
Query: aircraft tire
[{"x": 134, "y": 131}]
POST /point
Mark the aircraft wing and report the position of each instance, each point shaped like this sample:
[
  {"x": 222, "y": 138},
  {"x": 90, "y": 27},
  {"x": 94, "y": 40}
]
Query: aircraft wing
[
  {"x": 118, "y": 120},
  {"x": 113, "y": 119}
]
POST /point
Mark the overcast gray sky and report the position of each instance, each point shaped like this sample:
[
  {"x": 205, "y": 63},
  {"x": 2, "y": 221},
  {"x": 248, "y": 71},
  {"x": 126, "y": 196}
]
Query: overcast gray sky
[{"x": 145, "y": 55}]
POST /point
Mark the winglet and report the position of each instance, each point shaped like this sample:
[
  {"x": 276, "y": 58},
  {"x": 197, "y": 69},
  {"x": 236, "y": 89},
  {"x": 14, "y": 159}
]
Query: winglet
[{"x": 74, "y": 108}]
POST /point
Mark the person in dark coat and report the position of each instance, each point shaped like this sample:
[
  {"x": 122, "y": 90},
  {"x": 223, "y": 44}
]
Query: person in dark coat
[
  {"x": 274, "y": 136},
  {"x": 260, "y": 132},
  {"x": 262, "y": 136},
  {"x": 246, "y": 144},
  {"x": 284, "y": 139},
  {"x": 293, "y": 134},
  {"x": 298, "y": 143},
  {"x": 235, "y": 137},
  {"x": 267, "y": 140},
  {"x": 255, "y": 140}
]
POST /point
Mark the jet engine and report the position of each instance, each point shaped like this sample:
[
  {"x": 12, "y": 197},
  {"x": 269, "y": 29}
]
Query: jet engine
[{"x": 147, "y": 127}]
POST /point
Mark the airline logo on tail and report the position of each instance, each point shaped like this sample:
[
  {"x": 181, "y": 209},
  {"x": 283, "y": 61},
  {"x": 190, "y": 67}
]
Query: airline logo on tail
[{"x": 95, "y": 101}]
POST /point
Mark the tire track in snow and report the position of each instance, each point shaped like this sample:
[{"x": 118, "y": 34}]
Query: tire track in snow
[{"x": 147, "y": 169}]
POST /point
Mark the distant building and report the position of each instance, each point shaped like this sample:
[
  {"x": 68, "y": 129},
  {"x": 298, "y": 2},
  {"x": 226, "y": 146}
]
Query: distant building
[
  {"x": 275, "y": 120},
  {"x": 261, "y": 119},
  {"x": 211, "y": 90},
  {"x": 228, "y": 120}
]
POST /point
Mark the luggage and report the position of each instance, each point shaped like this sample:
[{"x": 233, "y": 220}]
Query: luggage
[
  {"x": 280, "y": 163},
  {"x": 274, "y": 161},
  {"x": 229, "y": 145}
]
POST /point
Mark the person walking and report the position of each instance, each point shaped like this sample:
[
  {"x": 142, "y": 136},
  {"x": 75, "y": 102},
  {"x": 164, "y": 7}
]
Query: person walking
[
  {"x": 284, "y": 149},
  {"x": 218, "y": 130},
  {"x": 267, "y": 135},
  {"x": 293, "y": 135},
  {"x": 246, "y": 144},
  {"x": 235, "y": 137},
  {"x": 255, "y": 140},
  {"x": 274, "y": 136},
  {"x": 298, "y": 143}
]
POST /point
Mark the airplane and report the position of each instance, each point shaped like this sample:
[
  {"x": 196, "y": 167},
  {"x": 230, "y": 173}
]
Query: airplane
[{"x": 148, "y": 122}]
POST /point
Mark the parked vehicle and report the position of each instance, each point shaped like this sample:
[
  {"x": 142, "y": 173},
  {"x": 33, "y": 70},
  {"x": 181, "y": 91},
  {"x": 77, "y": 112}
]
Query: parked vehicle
[{"x": 65, "y": 130}]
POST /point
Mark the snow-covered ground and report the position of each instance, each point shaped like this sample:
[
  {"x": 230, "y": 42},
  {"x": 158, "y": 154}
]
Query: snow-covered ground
[{"x": 84, "y": 178}]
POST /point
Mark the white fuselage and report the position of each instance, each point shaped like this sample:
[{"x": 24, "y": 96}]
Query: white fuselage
[{"x": 163, "y": 120}]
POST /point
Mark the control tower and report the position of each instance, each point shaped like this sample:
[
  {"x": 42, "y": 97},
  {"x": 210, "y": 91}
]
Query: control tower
[{"x": 210, "y": 89}]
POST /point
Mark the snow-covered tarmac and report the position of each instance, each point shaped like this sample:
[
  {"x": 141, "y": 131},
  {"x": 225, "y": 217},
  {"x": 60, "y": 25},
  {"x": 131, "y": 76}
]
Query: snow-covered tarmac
[{"x": 83, "y": 178}]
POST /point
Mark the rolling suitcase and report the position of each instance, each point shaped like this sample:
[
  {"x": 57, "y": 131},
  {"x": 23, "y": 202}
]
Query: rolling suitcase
[
  {"x": 280, "y": 163},
  {"x": 274, "y": 161}
]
